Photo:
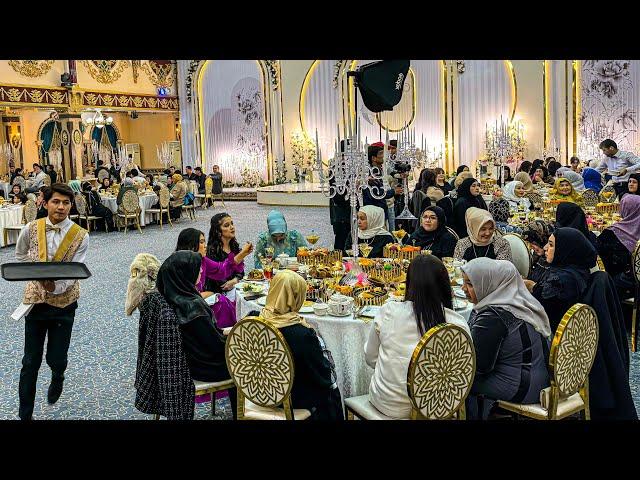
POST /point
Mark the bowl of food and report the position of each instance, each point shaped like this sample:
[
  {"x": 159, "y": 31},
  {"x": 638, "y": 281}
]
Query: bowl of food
[{"x": 255, "y": 274}]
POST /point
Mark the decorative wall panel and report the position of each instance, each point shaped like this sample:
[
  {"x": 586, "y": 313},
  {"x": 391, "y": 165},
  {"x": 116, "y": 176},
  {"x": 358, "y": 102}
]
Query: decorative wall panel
[
  {"x": 31, "y": 68},
  {"x": 35, "y": 96},
  {"x": 105, "y": 71}
]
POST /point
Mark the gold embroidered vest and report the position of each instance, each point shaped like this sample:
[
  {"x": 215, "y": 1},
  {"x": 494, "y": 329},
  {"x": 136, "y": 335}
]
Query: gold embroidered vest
[{"x": 34, "y": 292}]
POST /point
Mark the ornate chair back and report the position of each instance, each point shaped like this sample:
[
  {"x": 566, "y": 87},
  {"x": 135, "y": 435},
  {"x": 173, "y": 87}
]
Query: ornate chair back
[
  {"x": 536, "y": 199},
  {"x": 130, "y": 202},
  {"x": 208, "y": 186},
  {"x": 47, "y": 180},
  {"x": 453, "y": 232},
  {"x": 30, "y": 211},
  {"x": 102, "y": 174},
  {"x": 20, "y": 181},
  {"x": 441, "y": 373},
  {"x": 164, "y": 197},
  {"x": 520, "y": 253},
  {"x": 261, "y": 365},
  {"x": 81, "y": 204},
  {"x": 635, "y": 263},
  {"x": 590, "y": 198},
  {"x": 612, "y": 194}
]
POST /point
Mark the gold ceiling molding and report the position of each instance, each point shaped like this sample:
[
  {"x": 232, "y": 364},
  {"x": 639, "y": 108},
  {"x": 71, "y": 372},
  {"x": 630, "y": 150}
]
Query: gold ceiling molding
[
  {"x": 105, "y": 71},
  {"x": 160, "y": 74},
  {"x": 32, "y": 68},
  {"x": 33, "y": 96}
]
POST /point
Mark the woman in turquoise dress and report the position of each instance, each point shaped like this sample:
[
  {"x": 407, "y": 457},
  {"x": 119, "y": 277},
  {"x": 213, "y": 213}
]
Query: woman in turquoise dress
[{"x": 279, "y": 237}]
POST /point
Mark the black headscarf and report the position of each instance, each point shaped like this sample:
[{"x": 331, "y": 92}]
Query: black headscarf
[
  {"x": 537, "y": 163},
  {"x": 553, "y": 167},
  {"x": 464, "y": 191},
  {"x": 421, "y": 236},
  {"x": 571, "y": 215},
  {"x": 636, "y": 177},
  {"x": 572, "y": 261},
  {"x": 538, "y": 232},
  {"x": 177, "y": 283}
]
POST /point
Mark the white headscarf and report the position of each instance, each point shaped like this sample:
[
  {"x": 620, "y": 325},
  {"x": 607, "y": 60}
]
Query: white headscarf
[
  {"x": 375, "y": 222},
  {"x": 509, "y": 191},
  {"x": 576, "y": 180},
  {"x": 144, "y": 271},
  {"x": 560, "y": 172},
  {"x": 497, "y": 283}
]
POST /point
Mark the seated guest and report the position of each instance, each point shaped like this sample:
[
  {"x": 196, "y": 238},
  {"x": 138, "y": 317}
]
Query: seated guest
[
  {"x": 592, "y": 179},
  {"x": 617, "y": 243},
  {"x": 16, "y": 189},
  {"x": 565, "y": 192},
  {"x": 524, "y": 167},
  {"x": 468, "y": 196},
  {"x": 514, "y": 193},
  {"x": 571, "y": 215},
  {"x": 19, "y": 199},
  {"x": 540, "y": 176},
  {"x": 510, "y": 332},
  {"x": 149, "y": 179},
  {"x": 553, "y": 167},
  {"x": 482, "y": 240},
  {"x": 136, "y": 177},
  {"x": 105, "y": 185},
  {"x": 427, "y": 193},
  {"x": 16, "y": 173},
  {"x": 575, "y": 164},
  {"x": 634, "y": 181},
  {"x": 500, "y": 210},
  {"x": 432, "y": 234},
  {"x": 37, "y": 181},
  {"x": 170, "y": 183},
  {"x": 441, "y": 182},
  {"x": 203, "y": 342},
  {"x": 200, "y": 179},
  {"x": 570, "y": 256},
  {"x": 525, "y": 179},
  {"x": 314, "y": 386},
  {"x": 398, "y": 327},
  {"x": 459, "y": 170},
  {"x": 189, "y": 175},
  {"x": 507, "y": 176},
  {"x": 178, "y": 192},
  {"x": 42, "y": 211},
  {"x": 144, "y": 270},
  {"x": 537, "y": 233},
  {"x": 576, "y": 180},
  {"x": 222, "y": 243},
  {"x": 278, "y": 237},
  {"x": 449, "y": 201},
  {"x": 76, "y": 186},
  {"x": 224, "y": 310},
  {"x": 371, "y": 230},
  {"x": 95, "y": 206}
]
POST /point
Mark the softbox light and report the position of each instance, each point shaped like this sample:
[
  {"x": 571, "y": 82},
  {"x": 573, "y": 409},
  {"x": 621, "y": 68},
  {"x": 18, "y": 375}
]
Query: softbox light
[{"x": 381, "y": 83}]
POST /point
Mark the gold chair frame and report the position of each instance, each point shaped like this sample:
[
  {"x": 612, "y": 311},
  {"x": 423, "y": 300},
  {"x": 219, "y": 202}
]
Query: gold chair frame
[
  {"x": 125, "y": 213},
  {"x": 164, "y": 198},
  {"x": 83, "y": 214},
  {"x": 635, "y": 301},
  {"x": 590, "y": 198}
]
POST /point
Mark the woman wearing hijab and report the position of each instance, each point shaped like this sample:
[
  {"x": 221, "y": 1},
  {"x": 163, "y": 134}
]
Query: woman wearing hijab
[
  {"x": 565, "y": 192},
  {"x": 571, "y": 215},
  {"x": 525, "y": 179},
  {"x": 576, "y": 180},
  {"x": 278, "y": 237},
  {"x": 540, "y": 176},
  {"x": 371, "y": 230},
  {"x": 449, "y": 201},
  {"x": 398, "y": 327},
  {"x": 634, "y": 182},
  {"x": 202, "y": 341},
  {"x": 95, "y": 206},
  {"x": 314, "y": 386},
  {"x": 616, "y": 244},
  {"x": 468, "y": 196},
  {"x": 570, "y": 256},
  {"x": 482, "y": 240},
  {"x": 501, "y": 211},
  {"x": 432, "y": 234},
  {"x": 592, "y": 179},
  {"x": 510, "y": 332},
  {"x": 507, "y": 176},
  {"x": 106, "y": 184},
  {"x": 537, "y": 233},
  {"x": 514, "y": 193},
  {"x": 178, "y": 192},
  {"x": 562, "y": 170}
]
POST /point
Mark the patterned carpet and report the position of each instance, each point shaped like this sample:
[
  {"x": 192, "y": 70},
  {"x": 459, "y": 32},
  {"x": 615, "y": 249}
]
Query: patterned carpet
[{"x": 102, "y": 356}]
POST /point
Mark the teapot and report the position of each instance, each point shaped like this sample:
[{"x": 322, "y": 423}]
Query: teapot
[{"x": 340, "y": 304}]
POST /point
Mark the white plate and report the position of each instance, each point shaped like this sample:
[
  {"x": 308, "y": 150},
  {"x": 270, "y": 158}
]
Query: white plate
[
  {"x": 306, "y": 310},
  {"x": 458, "y": 292},
  {"x": 334, "y": 315},
  {"x": 459, "y": 304},
  {"x": 255, "y": 288}
]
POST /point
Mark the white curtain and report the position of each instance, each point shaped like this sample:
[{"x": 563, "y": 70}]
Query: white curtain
[
  {"x": 557, "y": 107},
  {"x": 484, "y": 93},
  {"x": 234, "y": 118}
]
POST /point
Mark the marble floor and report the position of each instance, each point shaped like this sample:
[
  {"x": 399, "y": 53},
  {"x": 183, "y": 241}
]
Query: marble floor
[{"x": 102, "y": 355}]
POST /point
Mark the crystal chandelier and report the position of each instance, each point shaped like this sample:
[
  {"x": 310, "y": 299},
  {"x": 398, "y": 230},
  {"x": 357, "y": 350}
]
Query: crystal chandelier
[{"x": 97, "y": 119}]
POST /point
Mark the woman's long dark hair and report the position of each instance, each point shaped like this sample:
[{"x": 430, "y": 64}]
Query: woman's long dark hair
[
  {"x": 214, "y": 244},
  {"x": 189, "y": 239},
  {"x": 427, "y": 179},
  {"x": 429, "y": 289},
  {"x": 525, "y": 166}
]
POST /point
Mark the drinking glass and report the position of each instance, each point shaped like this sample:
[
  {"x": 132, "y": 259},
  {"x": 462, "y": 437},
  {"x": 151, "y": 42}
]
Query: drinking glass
[{"x": 267, "y": 268}]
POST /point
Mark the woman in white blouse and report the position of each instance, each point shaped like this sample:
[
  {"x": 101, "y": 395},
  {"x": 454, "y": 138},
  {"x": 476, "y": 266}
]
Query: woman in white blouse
[{"x": 398, "y": 327}]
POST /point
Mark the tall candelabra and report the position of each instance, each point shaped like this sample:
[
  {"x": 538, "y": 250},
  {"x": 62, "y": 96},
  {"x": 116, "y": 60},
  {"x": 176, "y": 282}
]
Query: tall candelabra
[
  {"x": 164, "y": 154},
  {"x": 349, "y": 175},
  {"x": 504, "y": 143}
]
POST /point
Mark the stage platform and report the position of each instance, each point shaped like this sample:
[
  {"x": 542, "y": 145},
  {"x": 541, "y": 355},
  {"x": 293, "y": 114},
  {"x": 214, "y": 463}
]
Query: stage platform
[{"x": 294, "y": 194}]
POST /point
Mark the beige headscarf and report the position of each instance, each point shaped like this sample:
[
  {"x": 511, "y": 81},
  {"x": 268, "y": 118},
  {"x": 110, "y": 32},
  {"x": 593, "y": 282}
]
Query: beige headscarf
[
  {"x": 286, "y": 295},
  {"x": 176, "y": 177},
  {"x": 144, "y": 271},
  {"x": 461, "y": 178},
  {"x": 375, "y": 222},
  {"x": 525, "y": 179},
  {"x": 476, "y": 218}
]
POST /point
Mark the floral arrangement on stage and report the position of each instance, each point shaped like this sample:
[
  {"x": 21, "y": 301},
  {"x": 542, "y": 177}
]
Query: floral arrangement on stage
[
  {"x": 304, "y": 153},
  {"x": 250, "y": 177}
]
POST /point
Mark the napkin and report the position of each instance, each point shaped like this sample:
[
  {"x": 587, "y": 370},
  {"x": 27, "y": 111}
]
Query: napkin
[{"x": 22, "y": 311}]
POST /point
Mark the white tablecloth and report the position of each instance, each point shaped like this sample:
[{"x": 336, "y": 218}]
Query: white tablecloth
[
  {"x": 9, "y": 217},
  {"x": 5, "y": 187},
  {"x": 145, "y": 201},
  {"x": 345, "y": 338}
]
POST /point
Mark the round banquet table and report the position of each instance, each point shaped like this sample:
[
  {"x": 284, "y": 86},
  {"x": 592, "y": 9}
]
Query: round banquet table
[
  {"x": 345, "y": 338},
  {"x": 146, "y": 201},
  {"x": 10, "y": 216}
]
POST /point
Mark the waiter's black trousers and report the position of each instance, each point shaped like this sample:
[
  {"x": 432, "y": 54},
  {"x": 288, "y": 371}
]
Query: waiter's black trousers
[{"x": 44, "y": 321}]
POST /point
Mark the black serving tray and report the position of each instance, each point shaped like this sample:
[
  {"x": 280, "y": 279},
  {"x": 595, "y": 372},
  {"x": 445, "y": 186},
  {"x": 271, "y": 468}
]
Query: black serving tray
[{"x": 22, "y": 271}]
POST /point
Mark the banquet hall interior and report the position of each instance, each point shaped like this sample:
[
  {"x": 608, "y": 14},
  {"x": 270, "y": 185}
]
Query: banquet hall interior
[{"x": 320, "y": 239}]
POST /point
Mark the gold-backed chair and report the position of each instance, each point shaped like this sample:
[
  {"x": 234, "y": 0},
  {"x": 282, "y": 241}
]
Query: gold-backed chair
[
  {"x": 207, "y": 195},
  {"x": 47, "y": 181},
  {"x": 573, "y": 351},
  {"x": 608, "y": 194},
  {"x": 83, "y": 213},
  {"x": 439, "y": 378},
  {"x": 129, "y": 209},
  {"x": 261, "y": 365},
  {"x": 635, "y": 301},
  {"x": 19, "y": 180},
  {"x": 29, "y": 214},
  {"x": 164, "y": 198},
  {"x": 536, "y": 200},
  {"x": 590, "y": 198}
]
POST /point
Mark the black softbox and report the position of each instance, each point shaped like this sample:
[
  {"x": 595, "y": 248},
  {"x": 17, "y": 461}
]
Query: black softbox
[{"x": 381, "y": 83}]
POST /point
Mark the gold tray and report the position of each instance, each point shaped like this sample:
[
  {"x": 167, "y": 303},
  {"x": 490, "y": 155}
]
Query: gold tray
[
  {"x": 388, "y": 253},
  {"x": 320, "y": 259}
]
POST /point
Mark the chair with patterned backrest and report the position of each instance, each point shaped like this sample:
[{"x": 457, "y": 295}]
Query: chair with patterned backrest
[
  {"x": 590, "y": 198},
  {"x": 635, "y": 300},
  {"x": 608, "y": 194},
  {"x": 164, "y": 198},
  {"x": 84, "y": 214},
  {"x": 536, "y": 200},
  {"x": 47, "y": 181},
  {"x": 129, "y": 209},
  {"x": 520, "y": 253},
  {"x": 102, "y": 174},
  {"x": 19, "y": 180},
  {"x": 573, "y": 351},
  {"x": 206, "y": 196},
  {"x": 261, "y": 365},
  {"x": 439, "y": 378},
  {"x": 29, "y": 214}
]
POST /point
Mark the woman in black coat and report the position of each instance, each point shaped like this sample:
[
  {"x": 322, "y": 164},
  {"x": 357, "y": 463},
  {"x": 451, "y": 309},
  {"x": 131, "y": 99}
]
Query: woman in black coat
[
  {"x": 432, "y": 233},
  {"x": 468, "y": 196},
  {"x": 95, "y": 206}
]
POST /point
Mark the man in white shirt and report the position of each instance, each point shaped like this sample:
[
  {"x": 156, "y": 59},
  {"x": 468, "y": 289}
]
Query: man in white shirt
[
  {"x": 137, "y": 178},
  {"x": 38, "y": 181},
  {"x": 54, "y": 302},
  {"x": 618, "y": 164}
]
